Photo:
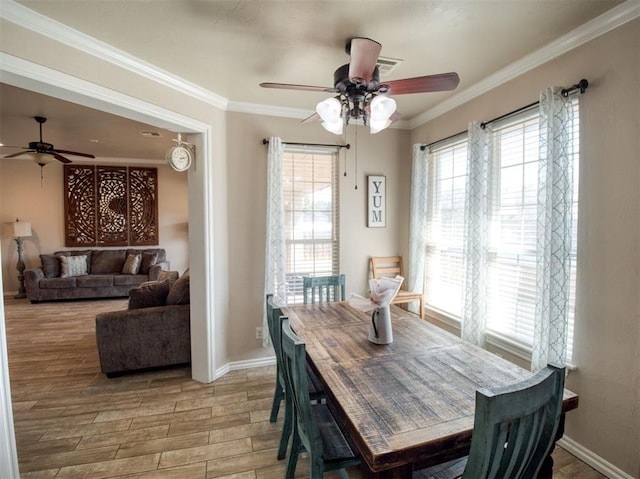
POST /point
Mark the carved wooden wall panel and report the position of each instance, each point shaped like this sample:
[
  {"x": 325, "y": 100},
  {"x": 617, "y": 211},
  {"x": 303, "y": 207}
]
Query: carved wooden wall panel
[{"x": 110, "y": 206}]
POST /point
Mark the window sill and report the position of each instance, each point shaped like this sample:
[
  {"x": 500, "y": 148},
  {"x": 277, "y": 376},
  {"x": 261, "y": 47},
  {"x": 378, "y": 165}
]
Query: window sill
[{"x": 496, "y": 343}]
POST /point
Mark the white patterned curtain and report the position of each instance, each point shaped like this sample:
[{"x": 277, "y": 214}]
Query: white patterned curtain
[
  {"x": 275, "y": 266},
  {"x": 554, "y": 223},
  {"x": 476, "y": 236},
  {"x": 418, "y": 223}
]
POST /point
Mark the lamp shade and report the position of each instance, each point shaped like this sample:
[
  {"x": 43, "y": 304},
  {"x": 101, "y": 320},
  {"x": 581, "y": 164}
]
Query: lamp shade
[
  {"x": 382, "y": 107},
  {"x": 378, "y": 125},
  {"x": 334, "y": 127},
  {"x": 41, "y": 159},
  {"x": 329, "y": 110},
  {"x": 21, "y": 229}
]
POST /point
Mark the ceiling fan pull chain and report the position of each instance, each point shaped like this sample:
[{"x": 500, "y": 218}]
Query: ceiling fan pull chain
[{"x": 355, "y": 125}]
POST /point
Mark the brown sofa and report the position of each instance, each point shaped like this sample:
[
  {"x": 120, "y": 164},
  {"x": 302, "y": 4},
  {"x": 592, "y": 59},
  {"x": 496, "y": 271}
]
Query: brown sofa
[
  {"x": 105, "y": 275},
  {"x": 154, "y": 331}
]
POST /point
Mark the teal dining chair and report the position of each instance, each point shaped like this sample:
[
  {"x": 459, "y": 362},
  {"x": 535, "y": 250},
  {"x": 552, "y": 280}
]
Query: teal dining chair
[
  {"x": 315, "y": 430},
  {"x": 324, "y": 288},
  {"x": 514, "y": 430},
  {"x": 274, "y": 319}
]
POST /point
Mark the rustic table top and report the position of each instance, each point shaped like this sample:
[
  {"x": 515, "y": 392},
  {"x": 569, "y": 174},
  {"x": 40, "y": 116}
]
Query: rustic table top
[{"x": 406, "y": 404}]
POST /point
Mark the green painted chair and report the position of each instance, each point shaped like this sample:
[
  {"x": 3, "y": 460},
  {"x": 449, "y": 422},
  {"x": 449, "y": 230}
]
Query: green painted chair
[
  {"x": 315, "y": 429},
  {"x": 274, "y": 319},
  {"x": 514, "y": 431},
  {"x": 324, "y": 288}
]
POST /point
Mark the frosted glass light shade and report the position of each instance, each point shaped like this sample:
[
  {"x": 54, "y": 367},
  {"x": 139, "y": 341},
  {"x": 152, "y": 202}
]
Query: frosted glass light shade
[
  {"x": 21, "y": 229},
  {"x": 329, "y": 110},
  {"x": 378, "y": 125},
  {"x": 41, "y": 159},
  {"x": 334, "y": 127},
  {"x": 382, "y": 107}
]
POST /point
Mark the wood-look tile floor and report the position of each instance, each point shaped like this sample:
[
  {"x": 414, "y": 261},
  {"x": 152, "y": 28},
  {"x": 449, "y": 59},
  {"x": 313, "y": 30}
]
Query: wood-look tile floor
[{"x": 73, "y": 422}]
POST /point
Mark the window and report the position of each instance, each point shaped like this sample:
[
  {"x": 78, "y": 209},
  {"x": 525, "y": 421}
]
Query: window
[
  {"x": 511, "y": 274},
  {"x": 445, "y": 229},
  {"x": 311, "y": 216}
]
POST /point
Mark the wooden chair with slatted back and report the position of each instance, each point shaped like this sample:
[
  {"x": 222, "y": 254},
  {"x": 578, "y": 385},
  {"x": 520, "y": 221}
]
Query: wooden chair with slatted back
[
  {"x": 514, "y": 431},
  {"x": 390, "y": 266},
  {"x": 315, "y": 429},
  {"x": 323, "y": 288},
  {"x": 316, "y": 393}
]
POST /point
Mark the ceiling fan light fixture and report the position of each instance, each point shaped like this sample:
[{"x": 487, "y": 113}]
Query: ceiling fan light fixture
[
  {"x": 376, "y": 126},
  {"x": 41, "y": 159},
  {"x": 334, "y": 127},
  {"x": 382, "y": 107},
  {"x": 330, "y": 110}
]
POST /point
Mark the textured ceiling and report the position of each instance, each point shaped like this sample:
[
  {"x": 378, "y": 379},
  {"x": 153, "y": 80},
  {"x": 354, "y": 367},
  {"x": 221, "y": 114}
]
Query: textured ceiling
[{"x": 229, "y": 47}]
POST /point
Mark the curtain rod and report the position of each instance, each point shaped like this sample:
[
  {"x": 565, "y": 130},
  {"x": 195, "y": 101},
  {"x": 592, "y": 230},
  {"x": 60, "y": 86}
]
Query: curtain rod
[
  {"x": 347, "y": 146},
  {"x": 581, "y": 85}
]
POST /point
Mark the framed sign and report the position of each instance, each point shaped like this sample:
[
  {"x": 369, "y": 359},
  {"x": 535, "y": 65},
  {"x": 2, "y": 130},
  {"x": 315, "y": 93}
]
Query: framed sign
[{"x": 376, "y": 208}]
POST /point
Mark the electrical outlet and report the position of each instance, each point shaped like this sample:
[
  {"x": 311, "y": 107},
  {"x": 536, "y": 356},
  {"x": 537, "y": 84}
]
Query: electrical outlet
[{"x": 258, "y": 333}]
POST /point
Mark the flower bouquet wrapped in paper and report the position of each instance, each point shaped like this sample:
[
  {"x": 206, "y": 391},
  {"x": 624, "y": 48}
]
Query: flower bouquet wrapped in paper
[{"x": 383, "y": 291}]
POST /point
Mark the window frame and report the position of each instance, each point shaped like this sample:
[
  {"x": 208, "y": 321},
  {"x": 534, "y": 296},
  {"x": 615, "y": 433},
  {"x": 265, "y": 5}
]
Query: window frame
[{"x": 296, "y": 154}]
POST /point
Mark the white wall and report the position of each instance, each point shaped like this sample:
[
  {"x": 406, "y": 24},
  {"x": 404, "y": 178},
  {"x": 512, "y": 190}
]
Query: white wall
[{"x": 24, "y": 195}]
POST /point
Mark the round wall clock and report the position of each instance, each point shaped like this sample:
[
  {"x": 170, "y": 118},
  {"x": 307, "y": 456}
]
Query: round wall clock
[{"x": 179, "y": 158}]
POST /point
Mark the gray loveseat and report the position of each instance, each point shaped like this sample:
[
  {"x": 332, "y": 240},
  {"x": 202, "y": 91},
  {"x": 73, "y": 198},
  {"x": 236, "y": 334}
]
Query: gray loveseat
[
  {"x": 154, "y": 331},
  {"x": 93, "y": 273}
]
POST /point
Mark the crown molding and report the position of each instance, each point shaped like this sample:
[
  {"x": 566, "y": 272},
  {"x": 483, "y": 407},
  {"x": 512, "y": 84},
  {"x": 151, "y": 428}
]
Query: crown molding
[
  {"x": 27, "y": 18},
  {"x": 617, "y": 16},
  {"x": 38, "y": 23},
  {"x": 271, "y": 110},
  {"x": 24, "y": 74}
]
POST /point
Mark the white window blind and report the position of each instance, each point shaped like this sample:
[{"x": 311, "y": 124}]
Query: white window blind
[
  {"x": 311, "y": 216},
  {"x": 511, "y": 275},
  {"x": 445, "y": 228}
]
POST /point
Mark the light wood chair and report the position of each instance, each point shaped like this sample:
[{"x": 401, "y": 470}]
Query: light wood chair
[
  {"x": 390, "y": 266},
  {"x": 514, "y": 431},
  {"x": 324, "y": 288},
  {"x": 315, "y": 429},
  {"x": 316, "y": 393}
]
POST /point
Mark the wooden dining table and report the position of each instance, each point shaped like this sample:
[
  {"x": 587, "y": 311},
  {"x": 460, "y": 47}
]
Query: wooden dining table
[{"x": 409, "y": 404}]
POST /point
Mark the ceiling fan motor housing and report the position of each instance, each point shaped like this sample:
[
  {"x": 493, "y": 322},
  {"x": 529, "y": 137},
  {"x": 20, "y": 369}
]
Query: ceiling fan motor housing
[{"x": 40, "y": 146}]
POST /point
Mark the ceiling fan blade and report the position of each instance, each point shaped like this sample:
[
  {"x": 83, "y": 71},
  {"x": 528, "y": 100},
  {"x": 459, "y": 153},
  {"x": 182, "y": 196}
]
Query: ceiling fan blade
[
  {"x": 86, "y": 155},
  {"x": 395, "y": 116},
  {"x": 309, "y": 119},
  {"x": 364, "y": 55},
  {"x": 62, "y": 158},
  {"x": 13, "y": 155},
  {"x": 429, "y": 83},
  {"x": 289, "y": 86}
]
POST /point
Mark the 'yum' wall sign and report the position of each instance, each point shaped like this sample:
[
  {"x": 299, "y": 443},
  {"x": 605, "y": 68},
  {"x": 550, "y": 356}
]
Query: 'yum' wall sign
[{"x": 377, "y": 216}]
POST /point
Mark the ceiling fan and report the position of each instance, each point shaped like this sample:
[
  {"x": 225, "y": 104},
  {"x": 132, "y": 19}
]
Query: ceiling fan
[
  {"x": 361, "y": 94},
  {"x": 41, "y": 151}
]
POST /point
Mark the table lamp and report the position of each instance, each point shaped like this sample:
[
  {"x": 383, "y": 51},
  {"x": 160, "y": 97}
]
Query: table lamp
[{"x": 21, "y": 229}]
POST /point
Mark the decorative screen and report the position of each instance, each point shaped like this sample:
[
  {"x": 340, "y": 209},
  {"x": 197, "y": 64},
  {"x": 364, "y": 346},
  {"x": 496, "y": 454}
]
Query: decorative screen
[{"x": 110, "y": 206}]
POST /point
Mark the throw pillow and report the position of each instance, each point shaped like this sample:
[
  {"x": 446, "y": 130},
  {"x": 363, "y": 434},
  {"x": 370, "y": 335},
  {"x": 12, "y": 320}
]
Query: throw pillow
[
  {"x": 71, "y": 266},
  {"x": 50, "y": 265},
  {"x": 149, "y": 294},
  {"x": 179, "y": 292},
  {"x": 148, "y": 260},
  {"x": 132, "y": 264},
  {"x": 172, "y": 275}
]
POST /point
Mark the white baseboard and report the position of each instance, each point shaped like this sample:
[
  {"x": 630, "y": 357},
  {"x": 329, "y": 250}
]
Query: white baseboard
[
  {"x": 595, "y": 461},
  {"x": 250, "y": 363}
]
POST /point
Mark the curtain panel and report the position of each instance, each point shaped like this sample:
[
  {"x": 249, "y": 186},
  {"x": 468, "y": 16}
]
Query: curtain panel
[
  {"x": 275, "y": 266},
  {"x": 473, "y": 327},
  {"x": 554, "y": 224},
  {"x": 417, "y": 223}
]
